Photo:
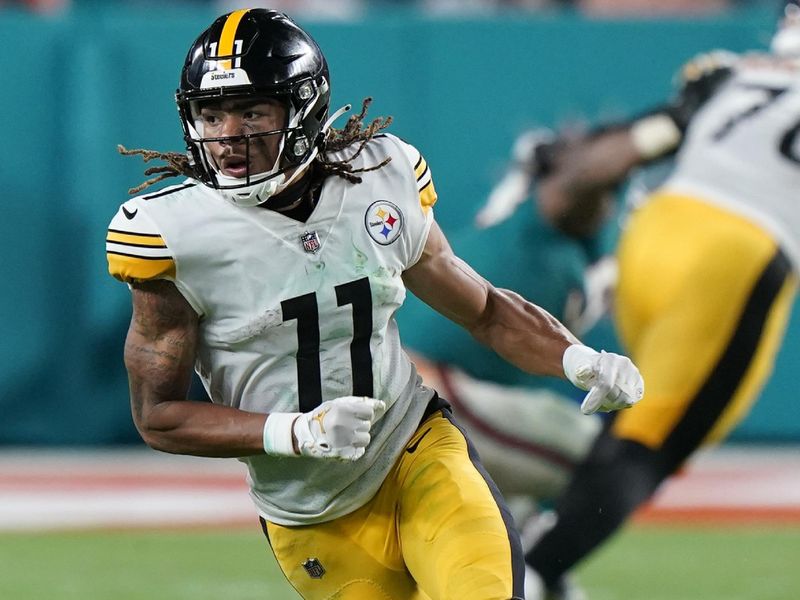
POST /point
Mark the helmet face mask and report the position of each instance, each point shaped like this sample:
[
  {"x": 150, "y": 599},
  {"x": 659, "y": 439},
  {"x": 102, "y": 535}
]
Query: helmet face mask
[
  {"x": 250, "y": 55},
  {"x": 248, "y": 142}
]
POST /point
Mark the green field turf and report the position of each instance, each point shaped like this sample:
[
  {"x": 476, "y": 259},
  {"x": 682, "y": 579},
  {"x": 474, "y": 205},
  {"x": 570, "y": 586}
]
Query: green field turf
[{"x": 648, "y": 563}]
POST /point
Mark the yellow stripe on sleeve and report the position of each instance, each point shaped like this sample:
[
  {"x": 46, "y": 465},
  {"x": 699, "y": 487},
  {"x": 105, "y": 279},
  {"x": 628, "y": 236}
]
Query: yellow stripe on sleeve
[
  {"x": 420, "y": 168},
  {"x": 427, "y": 197},
  {"x": 136, "y": 268},
  {"x": 228, "y": 36},
  {"x": 135, "y": 239}
]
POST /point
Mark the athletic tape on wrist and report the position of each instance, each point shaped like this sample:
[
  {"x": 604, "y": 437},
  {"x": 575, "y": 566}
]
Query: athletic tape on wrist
[
  {"x": 655, "y": 135},
  {"x": 278, "y": 433}
]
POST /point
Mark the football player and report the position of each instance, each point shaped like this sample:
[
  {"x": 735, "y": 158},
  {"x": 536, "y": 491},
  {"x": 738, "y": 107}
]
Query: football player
[
  {"x": 528, "y": 430},
  {"x": 274, "y": 270},
  {"x": 707, "y": 277}
]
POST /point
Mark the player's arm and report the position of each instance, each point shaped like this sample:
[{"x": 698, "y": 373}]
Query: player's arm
[
  {"x": 577, "y": 196},
  {"x": 521, "y": 332},
  {"x": 159, "y": 355},
  {"x": 579, "y": 177}
]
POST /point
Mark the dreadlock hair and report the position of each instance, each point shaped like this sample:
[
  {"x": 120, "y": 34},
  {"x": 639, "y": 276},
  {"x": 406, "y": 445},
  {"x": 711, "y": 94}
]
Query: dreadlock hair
[
  {"x": 335, "y": 140},
  {"x": 353, "y": 132},
  {"x": 177, "y": 164}
]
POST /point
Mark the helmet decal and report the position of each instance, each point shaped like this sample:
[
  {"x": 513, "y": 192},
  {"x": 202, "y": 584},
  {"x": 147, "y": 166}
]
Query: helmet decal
[
  {"x": 228, "y": 44},
  {"x": 224, "y": 78}
]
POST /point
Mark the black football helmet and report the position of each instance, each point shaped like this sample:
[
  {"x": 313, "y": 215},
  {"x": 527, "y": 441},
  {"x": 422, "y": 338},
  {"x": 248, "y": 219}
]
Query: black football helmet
[{"x": 256, "y": 52}]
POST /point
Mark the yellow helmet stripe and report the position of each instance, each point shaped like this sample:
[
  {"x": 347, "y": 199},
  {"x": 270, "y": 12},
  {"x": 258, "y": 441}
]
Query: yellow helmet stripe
[{"x": 227, "y": 36}]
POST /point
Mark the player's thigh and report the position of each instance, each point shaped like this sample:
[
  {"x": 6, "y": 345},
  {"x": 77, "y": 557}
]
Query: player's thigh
[
  {"x": 456, "y": 532},
  {"x": 351, "y": 558},
  {"x": 698, "y": 388},
  {"x": 704, "y": 332}
]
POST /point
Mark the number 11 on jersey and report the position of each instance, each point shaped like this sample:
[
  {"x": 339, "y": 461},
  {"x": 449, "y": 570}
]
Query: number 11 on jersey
[{"x": 305, "y": 309}]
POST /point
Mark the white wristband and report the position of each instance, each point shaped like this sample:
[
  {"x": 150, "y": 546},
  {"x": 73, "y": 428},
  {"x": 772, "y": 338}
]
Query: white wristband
[
  {"x": 278, "y": 433},
  {"x": 655, "y": 135}
]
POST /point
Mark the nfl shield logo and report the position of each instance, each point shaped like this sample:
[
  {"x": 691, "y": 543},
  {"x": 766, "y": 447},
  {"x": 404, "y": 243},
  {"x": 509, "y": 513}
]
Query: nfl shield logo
[
  {"x": 310, "y": 241},
  {"x": 314, "y": 568}
]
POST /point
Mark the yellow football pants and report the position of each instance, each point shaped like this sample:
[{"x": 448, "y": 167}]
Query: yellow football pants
[
  {"x": 436, "y": 530},
  {"x": 702, "y": 305}
]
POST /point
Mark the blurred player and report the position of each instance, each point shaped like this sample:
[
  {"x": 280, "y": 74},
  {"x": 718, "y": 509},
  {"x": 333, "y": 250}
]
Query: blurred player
[
  {"x": 528, "y": 430},
  {"x": 707, "y": 277},
  {"x": 275, "y": 270}
]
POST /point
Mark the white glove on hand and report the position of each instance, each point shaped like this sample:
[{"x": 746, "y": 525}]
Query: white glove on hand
[
  {"x": 612, "y": 380},
  {"x": 335, "y": 429}
]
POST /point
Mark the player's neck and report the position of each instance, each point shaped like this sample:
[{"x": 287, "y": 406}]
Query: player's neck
[{"x": 299, "y": 200}]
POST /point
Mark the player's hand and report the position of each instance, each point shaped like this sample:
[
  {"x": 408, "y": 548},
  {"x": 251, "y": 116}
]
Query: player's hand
[
  {"x": 335, "y": 429},
  {"x": 612, "y": 380},
  {"x": 338, "y": 428}
]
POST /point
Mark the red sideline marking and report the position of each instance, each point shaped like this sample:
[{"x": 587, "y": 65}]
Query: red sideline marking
[
  {"x": 716, "y": 515},
  {"x": 732, "y": 488}
]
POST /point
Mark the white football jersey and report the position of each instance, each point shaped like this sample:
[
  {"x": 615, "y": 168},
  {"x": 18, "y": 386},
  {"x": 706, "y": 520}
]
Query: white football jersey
[
  {"x": 293, "y": 314},
  {"x": 742, "y": 149}
]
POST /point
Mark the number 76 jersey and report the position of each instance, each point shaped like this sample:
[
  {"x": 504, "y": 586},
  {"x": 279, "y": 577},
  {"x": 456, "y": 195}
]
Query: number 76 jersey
[
  {"x": 294, "y": 314},
  {"x": 742, "y": 149}
]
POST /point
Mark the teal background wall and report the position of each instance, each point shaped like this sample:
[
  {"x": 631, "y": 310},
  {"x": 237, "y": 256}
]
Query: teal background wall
[{"x": 460, "y": 90}]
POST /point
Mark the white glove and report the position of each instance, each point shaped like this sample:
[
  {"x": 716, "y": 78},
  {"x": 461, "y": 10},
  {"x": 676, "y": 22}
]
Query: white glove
[
  {"x": 612, "y": 380},
  {"x": 335, "y": 429}
]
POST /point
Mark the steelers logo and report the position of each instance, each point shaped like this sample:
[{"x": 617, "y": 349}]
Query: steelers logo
[{"x": 383, "y": 221}]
